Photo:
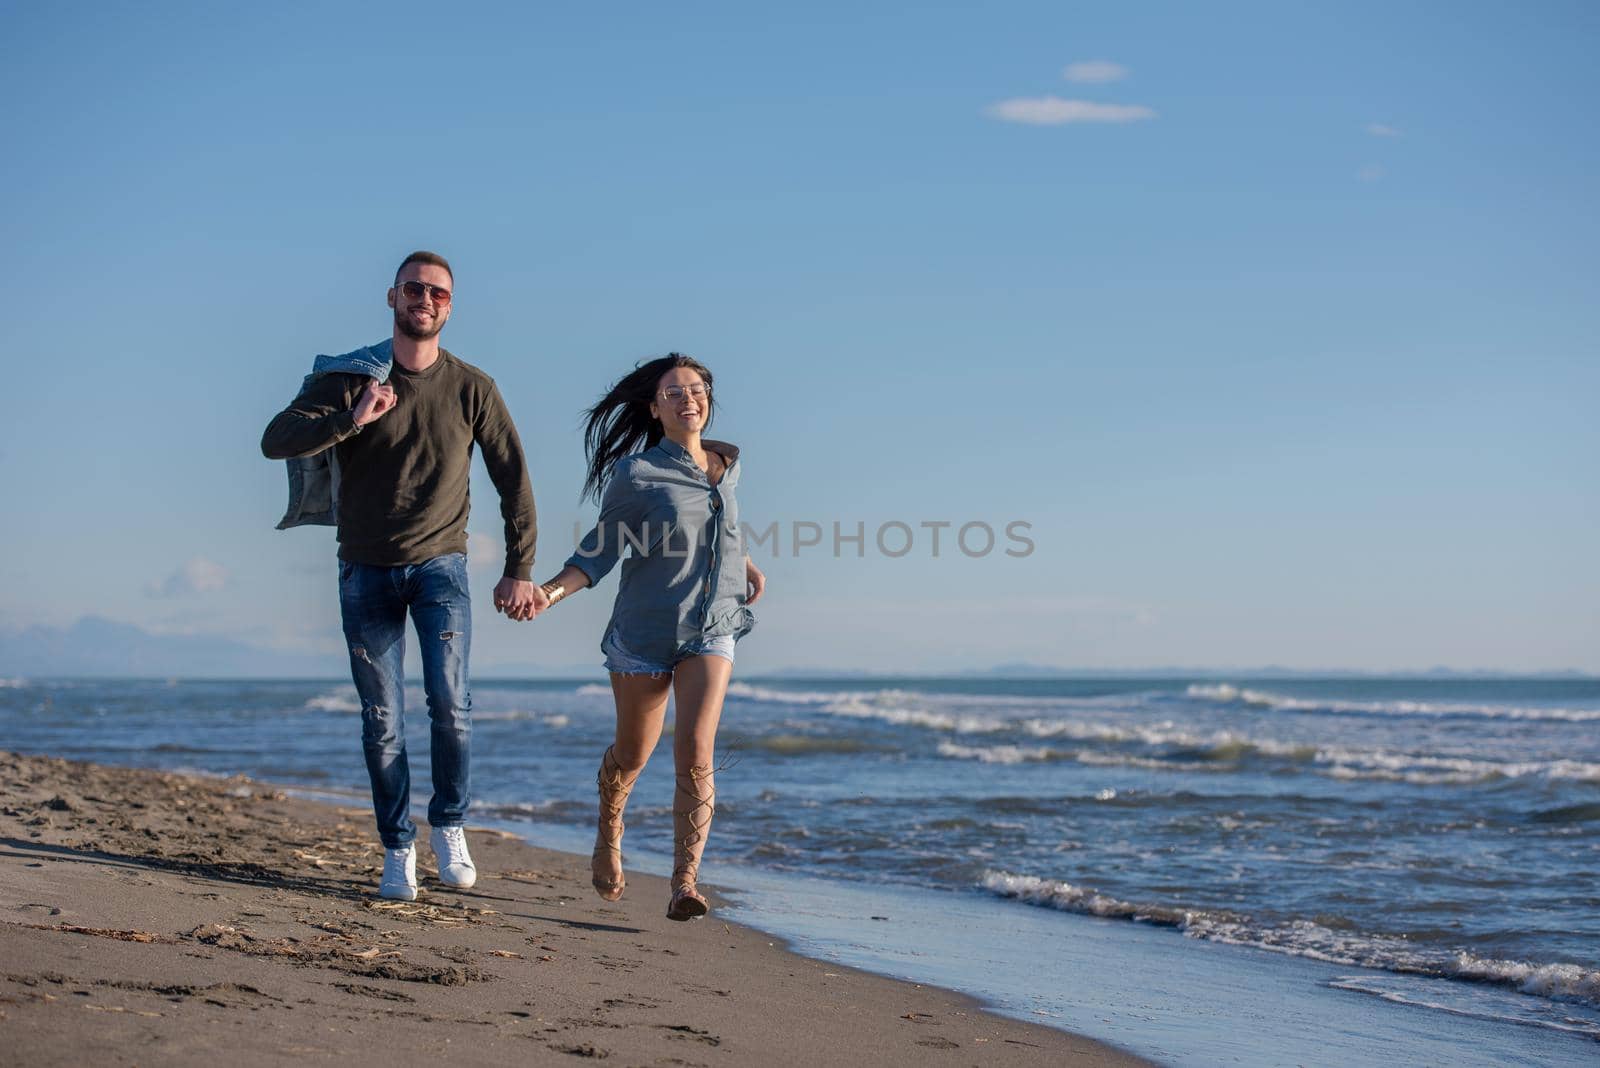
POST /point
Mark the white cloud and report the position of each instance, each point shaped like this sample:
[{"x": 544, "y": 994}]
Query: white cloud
[
  {"x": 1054, "y": 111},
  {"x": 1378, "y": 129},
  {"x": 1095, "y": 72},
  {"x": 196, "y": 575},
  {"x": 485, "y": 554},
  {"x": 1372, "y": 172}
]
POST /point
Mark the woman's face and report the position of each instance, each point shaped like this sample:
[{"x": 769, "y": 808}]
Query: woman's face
[{"x": 681, "y": 409}]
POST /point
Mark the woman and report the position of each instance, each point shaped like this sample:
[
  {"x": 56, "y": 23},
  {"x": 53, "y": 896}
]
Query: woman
[{"x": 683, "y": 601}]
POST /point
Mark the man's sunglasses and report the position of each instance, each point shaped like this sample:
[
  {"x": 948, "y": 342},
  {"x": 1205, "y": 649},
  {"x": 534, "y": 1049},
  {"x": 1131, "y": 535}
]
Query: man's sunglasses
[{"x": 417, "y": 290}]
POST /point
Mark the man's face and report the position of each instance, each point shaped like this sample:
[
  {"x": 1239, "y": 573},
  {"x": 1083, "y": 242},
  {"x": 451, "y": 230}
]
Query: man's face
[{"x": 421, "y": 313}]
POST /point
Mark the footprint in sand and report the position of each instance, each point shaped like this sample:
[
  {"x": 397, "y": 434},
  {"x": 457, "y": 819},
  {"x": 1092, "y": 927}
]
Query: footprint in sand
[
  {"x": 584, "y": 1050},
  {"x": 691, "y": 1034},
  {"x": 38, "y": 909}
]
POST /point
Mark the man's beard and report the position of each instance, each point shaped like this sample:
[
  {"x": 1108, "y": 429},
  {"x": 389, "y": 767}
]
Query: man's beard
[{"x": 402, "y": 322}]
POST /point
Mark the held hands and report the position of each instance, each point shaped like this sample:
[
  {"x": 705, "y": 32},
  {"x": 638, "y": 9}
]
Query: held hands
[
  {"x": 755, "y": 583},
  {"x": 374, "y": 401},
  {"x": 519, "y": 599}
]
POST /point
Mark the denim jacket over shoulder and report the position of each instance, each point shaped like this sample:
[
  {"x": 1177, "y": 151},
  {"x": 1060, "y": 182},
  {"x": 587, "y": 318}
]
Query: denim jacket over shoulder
[
  {"x": 685, "y": 576},
  {"x": 314, "y": 480}
]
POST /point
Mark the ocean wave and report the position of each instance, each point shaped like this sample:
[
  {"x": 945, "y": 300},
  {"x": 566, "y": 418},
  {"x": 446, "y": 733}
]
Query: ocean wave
[
  {"x": 593, "y": 689},
  {"x": 1017, "y": 754},
  {"x": 334, "y": 701},
  {"x": 1426, "y": 769},
  {"x": 1475, "y": 1002},
  {"x": 1580, "y": 813},
  {"x": 1218, "y": 745},
  {"x": 1183, "y": 749},
  {"x": 1005, "y": 754},
  {"x": 915, "y": 716},
  {"x": 905, "y": 708},
  {"x": 523, "y": 810},
  {"x": 747, "y": 692},
  {"x": 1558, "y": 982},
  {"x": 1178, "y": 743},
  {"x": 1304, "y": 938},
  {"x": 1224, "y": 693},
  {"x": 1066, "y": 897},
  {"x": 523, "y": 715},
  {"x": 13, "y": 684},
  {"x": 894, "y": 696},
  {"x": 804, "y": 744}
]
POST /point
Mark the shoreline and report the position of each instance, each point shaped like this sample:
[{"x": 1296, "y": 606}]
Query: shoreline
[{"x": 177, "y": 918}]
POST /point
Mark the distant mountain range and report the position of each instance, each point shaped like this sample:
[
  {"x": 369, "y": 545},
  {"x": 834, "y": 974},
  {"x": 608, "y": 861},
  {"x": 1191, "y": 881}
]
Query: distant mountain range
[
  {"x": 95, "y": 646},
  {"x": 99, "y": 647}
]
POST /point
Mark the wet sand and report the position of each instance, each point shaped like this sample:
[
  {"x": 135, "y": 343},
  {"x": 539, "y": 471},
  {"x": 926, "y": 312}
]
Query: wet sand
[{"x": 153, "y": 918}]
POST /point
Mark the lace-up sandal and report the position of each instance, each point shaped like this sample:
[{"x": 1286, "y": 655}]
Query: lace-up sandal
[
  {"x": 615, "y": 785},
  {"x": 693, "y": 804}
]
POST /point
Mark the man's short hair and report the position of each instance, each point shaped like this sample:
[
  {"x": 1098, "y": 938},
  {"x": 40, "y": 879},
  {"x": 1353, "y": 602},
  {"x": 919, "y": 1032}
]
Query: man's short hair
[{"x": 424, "y": 256}]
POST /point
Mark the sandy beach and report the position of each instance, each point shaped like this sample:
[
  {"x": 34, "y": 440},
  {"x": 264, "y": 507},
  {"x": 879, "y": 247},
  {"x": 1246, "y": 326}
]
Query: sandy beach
[{"x": 156, "y": 918}]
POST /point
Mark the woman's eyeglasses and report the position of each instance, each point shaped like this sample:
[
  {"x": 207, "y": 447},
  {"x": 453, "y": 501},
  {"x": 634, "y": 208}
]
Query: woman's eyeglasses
[
  {"x": 698, "y": 389},
  {"x": 417, "y": 290}
]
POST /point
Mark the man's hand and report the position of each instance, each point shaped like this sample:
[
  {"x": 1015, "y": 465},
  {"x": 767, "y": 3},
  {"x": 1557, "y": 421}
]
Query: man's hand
[
  {"x": 519, "y": 599},
  {"x": 373, "y": 402},
  {"x": 755, "y": 583}
]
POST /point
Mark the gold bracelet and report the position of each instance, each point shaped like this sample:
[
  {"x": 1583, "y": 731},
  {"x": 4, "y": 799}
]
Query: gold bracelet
[{"x": 555, "y": 593}]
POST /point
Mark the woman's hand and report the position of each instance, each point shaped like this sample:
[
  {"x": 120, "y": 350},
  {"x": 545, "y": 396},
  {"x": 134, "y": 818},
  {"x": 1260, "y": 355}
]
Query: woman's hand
[
  {"x": 755, "y": 583},
  {"x": 569, "y": 580}
]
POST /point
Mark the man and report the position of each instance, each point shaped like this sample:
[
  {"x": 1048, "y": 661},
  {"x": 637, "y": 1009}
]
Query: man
[{"x": 403, "y": 453}]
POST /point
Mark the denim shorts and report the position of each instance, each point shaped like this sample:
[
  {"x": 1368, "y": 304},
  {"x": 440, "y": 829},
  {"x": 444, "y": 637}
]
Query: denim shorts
[{"x": 622, "y": 662}]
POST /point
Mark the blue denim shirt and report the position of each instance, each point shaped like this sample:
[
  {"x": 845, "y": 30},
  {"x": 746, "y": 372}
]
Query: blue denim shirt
[
  {"x": 314, "y": 480},
  {"x": 684, "y": 578}
]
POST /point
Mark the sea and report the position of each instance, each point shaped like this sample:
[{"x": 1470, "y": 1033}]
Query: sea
[{"x": 1204, "y": 871}]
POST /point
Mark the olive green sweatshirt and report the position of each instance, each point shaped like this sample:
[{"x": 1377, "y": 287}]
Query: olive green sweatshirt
[{"x": 404, "y": 478}]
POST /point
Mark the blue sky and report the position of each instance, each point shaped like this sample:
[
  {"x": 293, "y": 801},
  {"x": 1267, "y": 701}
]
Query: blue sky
[{"x": 1286, "y": 349}]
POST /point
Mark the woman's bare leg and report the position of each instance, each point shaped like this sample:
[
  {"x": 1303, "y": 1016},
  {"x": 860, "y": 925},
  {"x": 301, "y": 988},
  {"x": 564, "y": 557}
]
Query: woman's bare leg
[
  {"x": 641, "y": 711},
  {"x": 701, "y": 684}
]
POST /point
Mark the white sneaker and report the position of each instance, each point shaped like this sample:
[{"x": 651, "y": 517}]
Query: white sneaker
[
  {"x": 399, "y": 874},
  {"x": 455, "y": 863}
]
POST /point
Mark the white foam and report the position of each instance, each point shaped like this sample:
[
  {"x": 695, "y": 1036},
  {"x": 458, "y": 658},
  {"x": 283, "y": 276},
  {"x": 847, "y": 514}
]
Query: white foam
[
  {"x": 1002, "y": 754},
  {"x": 1166, "y": 733},
  {"x": 342, "y": 700},
  {"x": 1560, "y": 982},
  {"x": 1303, "y": 938},
  {"x": 914, "y": 716},
  {"x": 963, "y": 714},
  {"x": 13, "y": 684},
  {"x": 1014, "y": 754},
  {"x": 1224, "y": 693},
  {"x": 748, "y": 692},
  {"x": 1069, "y": 898},
  {"x": 1426, "y": 769},
  {"x": 895, "y": 696},
  {"x": 1440, "y": 994},
  {"x": 593, "y": 689},
  {"x": 508, "y": 715},
  {"x": 1334, "y": 761}
]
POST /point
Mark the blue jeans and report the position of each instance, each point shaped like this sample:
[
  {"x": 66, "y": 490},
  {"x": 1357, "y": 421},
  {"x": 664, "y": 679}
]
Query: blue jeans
[{"x": 374, "y": 601}]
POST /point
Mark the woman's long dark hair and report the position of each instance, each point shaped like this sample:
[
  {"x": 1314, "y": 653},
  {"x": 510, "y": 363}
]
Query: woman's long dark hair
[{"x": 621, "y": 422}]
